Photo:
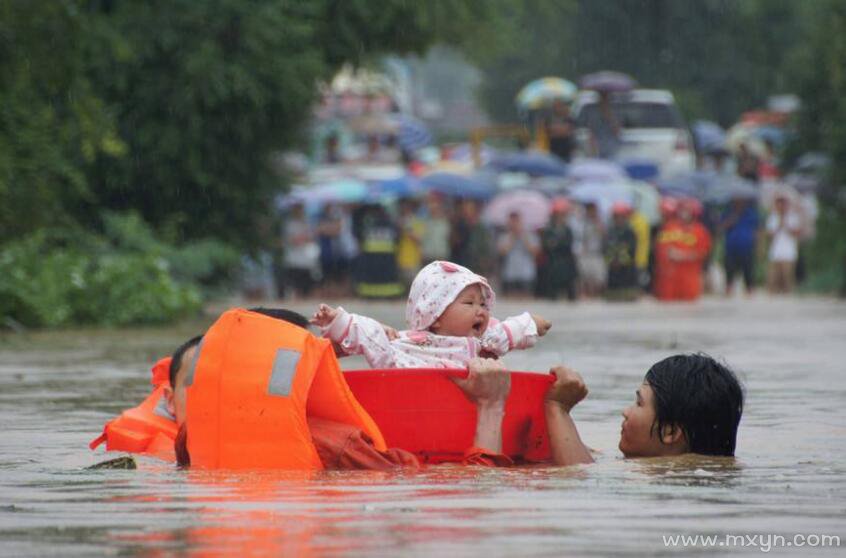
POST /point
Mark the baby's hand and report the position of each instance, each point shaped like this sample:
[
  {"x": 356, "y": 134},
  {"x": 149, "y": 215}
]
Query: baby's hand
[
  {"x": 324, "y": 315},
  {"x": 542, "y": 324},
  {"x": 390, "y": 332}
]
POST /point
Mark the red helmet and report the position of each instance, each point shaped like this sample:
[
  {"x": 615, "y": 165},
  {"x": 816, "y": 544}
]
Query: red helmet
[
  {"x": 621, "y": 208},
  {"x": 561, "y": 205},
  {"x": 693, "y": 205},
  {"x": 669, "y": 207}
]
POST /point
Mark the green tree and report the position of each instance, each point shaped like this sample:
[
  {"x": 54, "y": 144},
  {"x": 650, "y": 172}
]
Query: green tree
[
  {"x": 172, "y": 108},
  {"x": 52, "y": 122},
  {"x": 820, "y": 72}
]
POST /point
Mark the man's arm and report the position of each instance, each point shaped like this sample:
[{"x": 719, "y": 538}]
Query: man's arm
[
  {"x": 487, "y": 385},
  {"x": 564, "y": 440}
]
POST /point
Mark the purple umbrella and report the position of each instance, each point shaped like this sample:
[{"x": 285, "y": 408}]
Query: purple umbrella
[{"x": 608, "y": 81}]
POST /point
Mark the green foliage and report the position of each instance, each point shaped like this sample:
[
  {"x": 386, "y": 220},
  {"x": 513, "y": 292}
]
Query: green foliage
[
  {"x": 51, "y": 122},
  {"x": 57, "y": 277},
  {"x": 820, "y": 73},
  {"x": 172, "y": 108}
]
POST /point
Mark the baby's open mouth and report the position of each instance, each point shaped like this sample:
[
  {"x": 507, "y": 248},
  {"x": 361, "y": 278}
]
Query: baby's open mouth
[{"x": 478, "y": 327}]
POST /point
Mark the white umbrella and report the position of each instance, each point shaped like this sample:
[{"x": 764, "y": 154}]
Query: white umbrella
[
  {"x": 596, "y": 170},
  {"x": 603, "y": 194}
]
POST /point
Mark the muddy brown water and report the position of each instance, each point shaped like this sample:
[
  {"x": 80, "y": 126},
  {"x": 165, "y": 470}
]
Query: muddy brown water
[{"x": 58, "y": 388}]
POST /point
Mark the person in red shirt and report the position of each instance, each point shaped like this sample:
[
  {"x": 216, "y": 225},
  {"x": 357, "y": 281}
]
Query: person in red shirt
[{"x": 681, "y": 247}]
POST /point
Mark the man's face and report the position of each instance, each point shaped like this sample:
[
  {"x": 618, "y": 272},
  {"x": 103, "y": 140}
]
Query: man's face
[
  {"x": 638, "y": 438},
  {"x": 176, "y": 394}
]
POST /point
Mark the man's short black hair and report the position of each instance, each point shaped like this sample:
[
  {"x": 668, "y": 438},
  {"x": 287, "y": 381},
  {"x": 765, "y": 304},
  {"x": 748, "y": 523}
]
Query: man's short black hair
[
  {"x": 283, "y": 314},
  {"x": 702, "y": 397},
  {"x": 176, "y": 358}
]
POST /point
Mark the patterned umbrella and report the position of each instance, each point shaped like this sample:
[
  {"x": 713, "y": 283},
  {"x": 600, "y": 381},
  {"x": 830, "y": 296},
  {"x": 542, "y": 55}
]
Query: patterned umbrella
[{"x": 542, "y": 91}]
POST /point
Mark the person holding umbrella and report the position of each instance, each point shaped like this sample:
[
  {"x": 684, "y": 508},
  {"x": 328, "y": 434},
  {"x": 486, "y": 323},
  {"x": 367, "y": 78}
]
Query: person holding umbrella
[
  {"x": 561, "y": 131},
  {"x": 605, "y": 127}
]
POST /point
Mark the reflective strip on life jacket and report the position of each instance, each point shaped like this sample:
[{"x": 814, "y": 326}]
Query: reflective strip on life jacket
[
  {"x": 255, "y": 380},
  {"x": 148, "y": 428}
]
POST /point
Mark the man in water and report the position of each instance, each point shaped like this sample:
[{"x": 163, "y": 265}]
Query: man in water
[
  {"x": 686, "y": 404},
  {"x": 342, "y": 446}
]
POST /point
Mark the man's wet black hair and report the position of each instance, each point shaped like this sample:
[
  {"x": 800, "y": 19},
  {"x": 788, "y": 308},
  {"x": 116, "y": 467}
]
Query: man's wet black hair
[
  {"x": 702, "y": 397},
  {"x": 283, "y": 314},
  {"x": 176, "y": 358}
]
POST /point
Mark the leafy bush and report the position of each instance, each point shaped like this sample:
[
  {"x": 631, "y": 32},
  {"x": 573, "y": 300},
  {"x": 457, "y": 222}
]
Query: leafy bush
[{"x": 125, "y": 276}]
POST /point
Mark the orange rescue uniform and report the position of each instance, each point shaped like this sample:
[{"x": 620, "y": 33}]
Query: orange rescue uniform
[{"x": 680, "y": 279}]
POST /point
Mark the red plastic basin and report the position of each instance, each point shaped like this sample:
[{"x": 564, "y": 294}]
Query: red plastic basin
[{"x": 422, "y": 411}]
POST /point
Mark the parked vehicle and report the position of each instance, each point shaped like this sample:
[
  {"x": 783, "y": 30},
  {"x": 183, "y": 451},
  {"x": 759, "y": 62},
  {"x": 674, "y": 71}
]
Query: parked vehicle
[{"x": 652, "y": 128}]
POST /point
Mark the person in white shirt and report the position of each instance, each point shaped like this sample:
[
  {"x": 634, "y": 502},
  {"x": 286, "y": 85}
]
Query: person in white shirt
[{"x": 784, "y": 226}]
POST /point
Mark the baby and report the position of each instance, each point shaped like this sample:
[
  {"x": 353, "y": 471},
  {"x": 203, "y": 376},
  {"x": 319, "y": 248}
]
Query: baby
[{"x": 448, "y": 313}]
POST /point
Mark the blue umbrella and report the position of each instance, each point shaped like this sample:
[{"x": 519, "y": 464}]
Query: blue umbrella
[
  {"x": 345, "y": 190},
  {"x": 772, "y": 134},
  {"x": 682, "y": 186},
  {"x": 708, "y": 135},
  {"x": 727, "y": 188},
  {"x": 403, "y": 187},
  {"x": 641, "y": 169},
  {"x": 457, "y": 185},
  {"x": 532, "y": 163},
  {"x": 413, "y": 134}
]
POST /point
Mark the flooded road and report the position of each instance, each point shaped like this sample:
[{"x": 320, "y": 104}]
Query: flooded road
[{"x": 58, "y": 388}]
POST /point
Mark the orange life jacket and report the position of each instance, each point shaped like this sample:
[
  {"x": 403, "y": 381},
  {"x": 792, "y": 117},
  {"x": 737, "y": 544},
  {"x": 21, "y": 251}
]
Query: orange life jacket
[
  {"x": 148, "y": 428},
  {"x": 253, "y": 381}
]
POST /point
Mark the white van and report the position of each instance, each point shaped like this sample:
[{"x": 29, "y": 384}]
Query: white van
[{"x": 653, "y": 128}]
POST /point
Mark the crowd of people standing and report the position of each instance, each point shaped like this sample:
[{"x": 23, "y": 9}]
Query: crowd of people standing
[{"x": 370, "y": 251}]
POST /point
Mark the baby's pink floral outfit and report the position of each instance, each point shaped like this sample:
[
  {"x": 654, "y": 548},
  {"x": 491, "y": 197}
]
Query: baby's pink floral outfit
[{"x": 436, "y": 286}]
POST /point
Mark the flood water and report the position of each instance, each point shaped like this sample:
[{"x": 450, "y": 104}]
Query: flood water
[{"x": 58, "y": 388}]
